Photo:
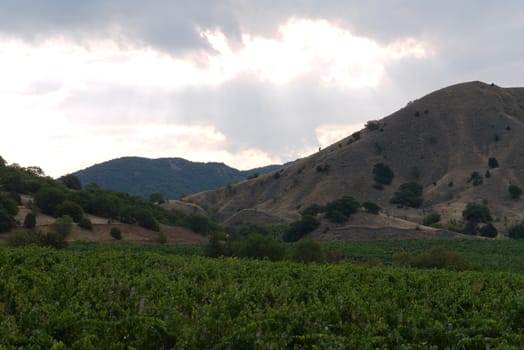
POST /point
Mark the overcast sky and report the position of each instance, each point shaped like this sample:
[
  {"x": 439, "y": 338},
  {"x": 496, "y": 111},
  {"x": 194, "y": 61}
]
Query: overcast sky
[{"x": 244, "y": 82}]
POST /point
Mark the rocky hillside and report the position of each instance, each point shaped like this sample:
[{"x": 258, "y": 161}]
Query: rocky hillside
[
  {"x": 170, "y": 176},
  {"x": 439, "y": 141}
]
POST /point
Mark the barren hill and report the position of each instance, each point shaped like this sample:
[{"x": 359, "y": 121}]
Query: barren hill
[{"x": 438, "y": 140}]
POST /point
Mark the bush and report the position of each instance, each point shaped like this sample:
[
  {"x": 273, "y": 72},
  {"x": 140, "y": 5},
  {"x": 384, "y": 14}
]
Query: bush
[
  {"x": 30, "y": 221},
  {"x": 308, "y": 251},
  {"x": 323, "y": 168},
  {"x": 382, "y": 174},
  {"x": 257, "y": 246},
  {"x": 440, "y": 258},
  {"x": 493, "y": 163},
  {"x": 116, "y": 233},
  {"x": 161, "y": 238},
  {"x": 373, "y": 125},
  {"x": 24, "y": 237},
  {"x": 430, "y": 219},
  {"x": 198, "y": 223},
  {"x": 313, "y": 210},
  {"x": 48, "y": 199},
  {"x": 85, "y": 223},
  {"x": 409, "y": 195},
  {"x": 475, "y": 178},
  {"x": 356, "y": 135},
  {"x": 71, "y": 181},
  {"x": 157, "y": 197},
  {"x": 488, "y": 231},
  {"x": 341, "y": 209},
  {"x": 216, "y": 246},
  {"x": 371, "y": 207},
  {"x": 300, "y": 228},
  {"x": 54, "y": 240},
  {"x": 63, "y": 225},
  {"x": 7, "y": 221},
  {"x": 70, "y": 209},
  {"x": 514, "y": 191},
  {"x": 476, "y": 213},
  {"x": 516, "y": 231}
]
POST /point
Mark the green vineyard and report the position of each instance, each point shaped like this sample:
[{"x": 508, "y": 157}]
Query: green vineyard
[{"x": 100, "y": 297}]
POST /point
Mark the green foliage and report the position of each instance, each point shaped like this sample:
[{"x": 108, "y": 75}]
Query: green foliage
[
  {"x": 70, "y": 209},
  {"x": 85, "y": 223},
  {"x": 430, "y": 219},
  {"x": 257, "y": 246},
  {"x": 30, "y": 237},
  {"x": 106, "y": 298},
  {"x": 199, "y": 223},
  {"x": 116, "y": 233},
  {"x": 216, "y": 246},
  {"x": 30, "y": 221},
  {"x": 8, "y": 204},
  {"x": 308, "y": 251},
  {"x": 372, "y": 125},
  {"x": 63, "y": 225},
  {"x": 341, "y": 209},
  {"x": 71, "y": 181},
  {"x": 440, "y": 258},
  {"x": 371, "y": 207},
  {"x": 300, "y": 228},
  {"x": 53, "y": 240},
  {"x": 409, "y": 195},
  {"x": 161, "y": 238},
  {"x": 516, "y": 230},
  {"x": 48, "y": 199},
  {"x": 7, "y": 221},
  {"x": 382, "y": 174},
  {"x": 514, "y": 191},
  {"x": 476, "y": 213},
  {"x": 493, "y": 163},
  {"x": 323, "y": 168},
  {"x": 313, "y": 210}
]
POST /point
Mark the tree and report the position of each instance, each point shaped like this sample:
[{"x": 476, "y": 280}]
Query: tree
[
  {"x": 308, "y": 251},
  {"x": 430, "y": 219},
  {"x": 84, "y": 222},
  {"x": 493, "y": 163},
  {"x": 3, "y": 163},
  {"x": 30, "y": 221},
  {"x": 516, "y": 230},
  {"x": 63, "y": 225},
  {"x": 116, "y": 233},
  {"x": 514, "y": 191},
  {"x": 409, "y": 195},
  {"x": 300, "y": 228},
  {"x": 71, "y": 209},
  {"x": 371, "y": 207},
  {"x": 341, "y": 209},
  {"x": 476, "y": 213},
  {"x": 7, "y": 222},
  {"x": 382, "y": 174},
  {"x": 198, "y": 223},
  {"x": 71, "y": 181},
  {"x": 48, "y": 199},
  {"x": 488, "y": 230},
  {"x": 258, "y": 247},
  {"x": 372, "y": 124}
]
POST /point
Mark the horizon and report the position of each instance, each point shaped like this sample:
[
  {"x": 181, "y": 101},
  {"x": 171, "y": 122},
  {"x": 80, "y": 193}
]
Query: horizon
[{"x": 242, "y": 84}]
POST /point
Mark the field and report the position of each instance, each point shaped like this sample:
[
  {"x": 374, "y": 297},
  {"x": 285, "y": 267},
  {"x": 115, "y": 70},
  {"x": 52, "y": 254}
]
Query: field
[{"x": 118, "y": 296}]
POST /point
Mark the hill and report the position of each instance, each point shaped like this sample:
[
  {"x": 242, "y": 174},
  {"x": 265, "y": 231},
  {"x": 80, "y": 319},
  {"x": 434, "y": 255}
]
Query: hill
[
  {"x": 170, "y": 176},
  {"x": 462, "y": 144}
]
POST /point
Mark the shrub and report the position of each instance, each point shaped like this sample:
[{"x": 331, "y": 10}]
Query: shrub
[
  {"x": 323, "y": 168},
  {"x": 48, "y": 199},
  {"x": 145, "y": 218},
  {"x": 356, "y": 135},
  {"x": 116, "y": 233},
  {"x": 488, "y": 230},
  {"x": 313, "y": 210},
  {"x": 71, "y": 209},
  {"x": 84, "y": 222},
  {"x": 8, "y": 204},
  {"x": 63, "y": 225},
  {"x": 493, "y": 163},
  {"x": 300, "y": 228},
  {"x": 409, "y": 194},
  {"x": 54, "y": 240},
  {"x": 308, "y": 251},
  {"x": 71, "y": 181},
  {"x": 341, "y": 209},
  {"x": 216, "y": 246},
  {"x": 487, "y": 175},
  {"x": 382, "y": 174},
  {"x": 516, "y": 230},
  {"x": 440, "y": 258},
  {"x": 430, "y": 219},
  {"x": 30, "y": 221},
  {"x": 514, "y": 191},
  {"x": 156, "y": 197},
  {"x": 161, "y": 238},
  {"x": 371, "y": 207},
  {"x": 198, "y": 223},
  {"x": 476, "y": 213},
  {"x": 257, "y": 246},
  {"x": 24, "y": 237},
  {"x": 475, "y": 178},
  {"x": 372, "y": 125},
  {"x": 7, "y": 221}
]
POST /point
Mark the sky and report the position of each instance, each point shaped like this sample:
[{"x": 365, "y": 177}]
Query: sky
[{"x": 247, "y": 83}]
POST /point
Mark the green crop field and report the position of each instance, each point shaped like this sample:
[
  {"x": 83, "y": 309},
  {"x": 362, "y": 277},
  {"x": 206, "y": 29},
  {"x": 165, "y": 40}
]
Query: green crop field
[{"x": 108, "y": 296}]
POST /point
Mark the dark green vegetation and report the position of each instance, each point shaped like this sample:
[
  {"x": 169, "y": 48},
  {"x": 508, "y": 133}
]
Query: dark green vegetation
[
  {"x": 382, "y": 174},
  {"x": 115, "y": 296},
  {"x": 63, "y": 198},
  {"x": 514, "y": 191},
  {"x": 408, "y": 195},
  {"x": 170, "y": 177}
]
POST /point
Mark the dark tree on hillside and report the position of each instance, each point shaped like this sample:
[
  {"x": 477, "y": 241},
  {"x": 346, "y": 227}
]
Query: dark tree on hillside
[
  {"x": 514, "y": 191},
  {"x": 48, "y": 199},
  {"x": 382, "y": 174},
  {"x": 30, "y": 221},
  {"x": 477, "y": 213},
  {"x": 493, "y": 163},
  {"x": 2, "y": 162},
  {"x": 71, "y": 181},
  {"x": 409, "y": 195},
  {"x": 156, "y": 197}
]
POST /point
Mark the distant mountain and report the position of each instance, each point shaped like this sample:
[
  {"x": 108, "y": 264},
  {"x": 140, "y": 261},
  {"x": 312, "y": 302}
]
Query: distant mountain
[
  {"x": 461, "y": 144},
  {"x": 170, "y": 176}
]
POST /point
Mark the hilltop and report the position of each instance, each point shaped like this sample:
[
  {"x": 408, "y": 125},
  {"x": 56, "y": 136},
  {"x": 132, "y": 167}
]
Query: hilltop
[
  {"x": 462, "y": 144},
  {"x": 172, "y": 177}
]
